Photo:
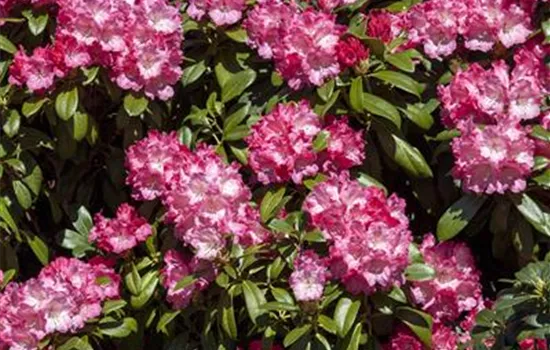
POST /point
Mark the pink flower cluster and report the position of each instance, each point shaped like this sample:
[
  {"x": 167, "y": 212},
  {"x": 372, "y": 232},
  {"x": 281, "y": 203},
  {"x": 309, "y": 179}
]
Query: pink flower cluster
[
  {"x": 309, "y": 276},
  {"x": 493, "y": 159},
  {"x": 438, "y": 24},
  {"x": 221, "y": 12},
  {"x": 303, "y": 43},
  {"x": 205, "y": 198},
  {"x": 122, "y": 233},
  {"x": 455, "y": 288},
  {"x": 495, "y": 95},
  {"x": 443, "y": 338},
  {"x": 533, "y": 344},
  {"x": 369, "y": 233},
  {"x": 65, "y": 295},
  {"x": 177, "y": 267},
  {"x": 497, "y": 157},
  {"x": 281, "y": 144},
  {"x": 139, "y": 42}
]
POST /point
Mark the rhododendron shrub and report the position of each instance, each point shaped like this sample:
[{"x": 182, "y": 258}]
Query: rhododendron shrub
[{"x": 274, "y": 174}]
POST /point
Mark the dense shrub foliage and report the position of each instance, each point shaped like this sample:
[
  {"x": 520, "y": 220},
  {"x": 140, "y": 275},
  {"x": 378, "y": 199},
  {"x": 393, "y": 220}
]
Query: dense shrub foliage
[{"x": 231, "y": 174}]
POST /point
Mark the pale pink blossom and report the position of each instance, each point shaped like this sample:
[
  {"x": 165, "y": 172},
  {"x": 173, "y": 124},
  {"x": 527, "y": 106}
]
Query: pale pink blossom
[
  {"x": 303, "y": 44},
  {"x": 177, "y": 267},
  {"x": 309, "y": 276},
  {"x": 152, "y": 162},
  {"x": 122, "y": 233},
  {"x": 65, "y": 295},
  {"x": 494, "y": 159},
  {"x": 455, "y": 287},
  {"x": 369, "y": 233}
]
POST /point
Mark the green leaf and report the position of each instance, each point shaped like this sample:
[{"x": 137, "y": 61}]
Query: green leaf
[
  {"x": 229, "y": 323},
  {"x": 281, "y": 295},
  {"x": 80, "y": 125},
  {"x": 122, "y": 330},
  {"x": 401, "y": 81},
  {"x": 135, "y": 105},
  {"x": 113, "y": 305},
  {"x": 278, "y": 306},
  {"x": 37, "y": 23},
  {"x": 355, "y": 339},
  {"x": 185, "y": 135},
  {"x": 236, "y": 117},
  {"x": 325, "y": 91},
  {"x": 193, "y": 73},
  {"x": 66, "y": 103},
  {"x": 345, "y": 315},
  {"x": 543, "y": 179},
  {"x": 22, "y": 193},
  {"x": 237, "y": 84},
  {"x": 33, "y": 105},
  {"x": 84, "y": 222},
  {"x": 39, "y": 248},
  {"x": 76, "y": 343},
  {"x": 271, "y": 204},
  {"x": 328, "y": 324},
  {"x": 320, "y": 143},
  {"x": 532, "y": 212},
  {"x": 356, "y": 94},
  {"x": 324, "y": 342},
  {"x": 6, "y": 216},
  {"x": 76, "y": 242},
  {"x": 410, "y": 159},
  {"x": 8, "y": 276},
  {"x": 185, "y": 282},
  {"x": 253, "y": 298},
  {"x": 546, "y": 30},
  {"x": 294, "y": 335},
  {"x": 403, "y": 60},
  {"x": 237, "y": 133},
  {"x": 458, "y": 216},
  {"x": 165, "y": 319},
  {"x": 12, "y": 124},
  {"x": 240, "y": 153},
  {"x": 419, "y": 322},
  {"x": 368, "y": 181},
  {"x": 238, "y": 34},
  {"x": 7, "y": 45},
  {"x": 380, "y": 107},
  {"x": 133, "y": 281},
  {"x": 419, "y": 272},
  {"x": 149, "y": 285},
  {"x": 418, "y": 115},
  {"x": 540, "y": 133}
]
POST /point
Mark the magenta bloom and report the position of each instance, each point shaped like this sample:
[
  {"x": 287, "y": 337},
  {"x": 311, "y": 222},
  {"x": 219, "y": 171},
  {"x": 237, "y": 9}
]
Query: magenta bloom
[
  {"x": 309, "y": 276},
  {"x": 38, "y": 71},
  {"x": 152, "y": 162},
  {"x": 455, "y": 288},
  {"x": 302, "y": 43},
  {"x": 221, "y": 12},
  {"x": 122, "y": 233},
  {"x": 443, "y": 338},
  {"x": 138, "y": 42},
  {"x": 494, "y": 95},
  {"x": 281, "y": 144},
  {"x": 351, "y": 52},
  {"x": 207, "y": 200},
  {"x": 66, "y": 294},
  {"x": 369, "y": 233},
  {"x": 177, "y": 267},
  {"x": 497, "y": 158},
  {"x": 345, "y": 146}
]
